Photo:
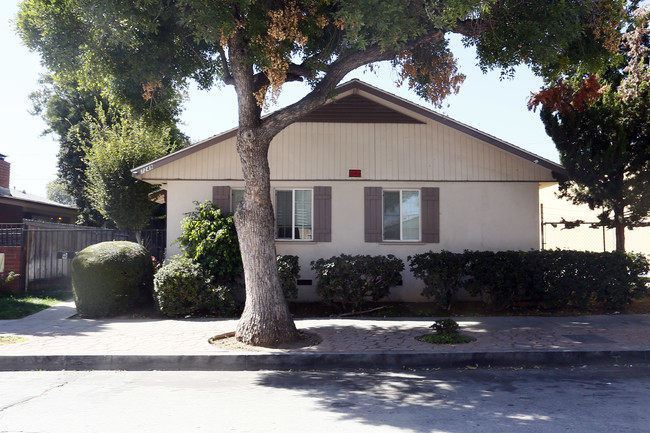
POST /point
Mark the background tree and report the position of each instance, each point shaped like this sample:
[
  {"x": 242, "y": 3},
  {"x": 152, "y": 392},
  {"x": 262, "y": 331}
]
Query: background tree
[
  {"x": 601, "y": 129},
  {"x": 57, "y": 192},
  {"x": 145, "y": 50},
  {"x": 116, "y": 149},
  {"x": 69, "y": 109},
  {"x": 65, "y": 108}
]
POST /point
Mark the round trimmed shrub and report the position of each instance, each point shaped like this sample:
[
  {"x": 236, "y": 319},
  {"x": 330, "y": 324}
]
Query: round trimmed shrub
[
  {"x": 112, "y": 278},
  {"x": 182, "y": 287}
]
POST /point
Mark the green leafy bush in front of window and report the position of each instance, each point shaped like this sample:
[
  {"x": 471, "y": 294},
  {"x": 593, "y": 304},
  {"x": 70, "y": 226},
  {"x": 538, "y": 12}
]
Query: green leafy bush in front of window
[
  {"x": 348, "y": 282},
  {"x": 209, "y": 238},
  {"x": 182, "y": 287}
]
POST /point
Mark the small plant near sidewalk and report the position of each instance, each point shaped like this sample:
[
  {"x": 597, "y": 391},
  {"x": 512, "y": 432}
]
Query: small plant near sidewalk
[
  {"x": 9, "y": 278},
  {"x": 446, "y": 333}
]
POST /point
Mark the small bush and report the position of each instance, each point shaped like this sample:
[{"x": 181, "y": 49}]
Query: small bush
[
  {"x": 9, "y": 278},
  {"x": 183, "y": 288},
  {"x": 349, "y": 281},
  {"x": 209, "y": 238},
  {"x": 112, "y": 278},
  {"x": 288, "y": 270},
  {"x": 446, "y": 333},
  {"x": 443, "y": 274},
  {"x": 445, "y": 326}
]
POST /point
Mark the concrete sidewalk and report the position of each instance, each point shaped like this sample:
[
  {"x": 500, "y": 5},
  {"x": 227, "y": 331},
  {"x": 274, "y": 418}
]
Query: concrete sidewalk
[{"x": 55, "y": 340}]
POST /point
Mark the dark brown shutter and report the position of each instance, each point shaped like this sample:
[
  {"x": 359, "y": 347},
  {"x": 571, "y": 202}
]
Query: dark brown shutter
[
  {"x": 323, "y": 213},
  {"x": 430, "y": 215},
  {"x": 372, "y": 214},
  {"x": 221, "y": 197}
]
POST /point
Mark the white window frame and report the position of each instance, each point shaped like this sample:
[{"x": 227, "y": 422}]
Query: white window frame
[
  {"x": 401, "y": 231},
  {"x": 293, "y": 214}
]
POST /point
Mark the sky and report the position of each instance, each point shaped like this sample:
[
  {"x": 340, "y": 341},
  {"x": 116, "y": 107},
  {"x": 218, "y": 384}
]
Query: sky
[{"x": 485, "y": 102}]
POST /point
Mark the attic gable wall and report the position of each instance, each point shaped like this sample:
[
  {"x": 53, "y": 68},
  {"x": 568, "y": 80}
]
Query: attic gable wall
[{"x": 382, "y": 151}]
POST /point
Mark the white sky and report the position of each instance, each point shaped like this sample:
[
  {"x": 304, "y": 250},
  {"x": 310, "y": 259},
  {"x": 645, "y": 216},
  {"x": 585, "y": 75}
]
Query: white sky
[{"x": 484, "y": 102}]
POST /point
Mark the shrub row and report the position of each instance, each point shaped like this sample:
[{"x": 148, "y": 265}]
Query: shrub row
[
  {"x": 543, "y": 279},
  {"x": 183, "y": 287}
]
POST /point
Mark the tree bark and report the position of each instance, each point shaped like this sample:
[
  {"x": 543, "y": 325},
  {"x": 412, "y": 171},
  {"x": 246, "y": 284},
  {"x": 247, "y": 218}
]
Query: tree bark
[
  {"x": 619, "y": 227},
  {"x": 266, "y": 320}
]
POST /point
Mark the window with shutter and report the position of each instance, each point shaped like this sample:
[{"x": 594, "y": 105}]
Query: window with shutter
[{"x": 402, "y": 215}]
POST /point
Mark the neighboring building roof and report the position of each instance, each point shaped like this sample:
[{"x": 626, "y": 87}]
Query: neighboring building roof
[
  {"x": 24, "y": 196},
  {"x": 25, "y": 203},
  {"x": 349, "y": 106}
]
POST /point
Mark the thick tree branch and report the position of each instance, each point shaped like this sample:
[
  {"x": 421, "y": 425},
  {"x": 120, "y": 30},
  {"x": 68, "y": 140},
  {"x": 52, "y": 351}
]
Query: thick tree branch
[
  {"x": 227, "y": 76},
  {"x": 346, "y": 63},
  {"x": 472, "y": 27}
]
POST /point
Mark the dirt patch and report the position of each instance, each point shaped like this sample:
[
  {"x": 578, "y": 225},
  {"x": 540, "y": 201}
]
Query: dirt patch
[{"x": 228, "y": 341}]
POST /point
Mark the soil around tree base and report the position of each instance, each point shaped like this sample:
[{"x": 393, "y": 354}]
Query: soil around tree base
[{"x": 228, "y": 341}]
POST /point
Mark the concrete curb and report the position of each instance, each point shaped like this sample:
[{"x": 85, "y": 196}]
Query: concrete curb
[{"x": 323, "y": 360}]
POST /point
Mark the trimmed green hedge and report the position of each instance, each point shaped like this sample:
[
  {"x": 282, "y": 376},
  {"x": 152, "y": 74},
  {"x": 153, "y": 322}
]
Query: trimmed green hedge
[
  {"x": 112, "y": 278},
  {"x": 182, "y": 287},
  {"x": 348, "y": 281},
  {"x": 552, "y": 279}
]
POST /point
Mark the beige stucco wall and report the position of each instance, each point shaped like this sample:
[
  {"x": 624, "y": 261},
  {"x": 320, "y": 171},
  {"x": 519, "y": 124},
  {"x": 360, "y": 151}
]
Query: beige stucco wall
[{"x": 473, "y": 215}]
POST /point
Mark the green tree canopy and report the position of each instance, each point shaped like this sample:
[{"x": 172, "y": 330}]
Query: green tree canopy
[
  {"x": 601, "y": 128},
  {"x": 116, "y": 149},
  {"x": 56, "y": 191},
  {"x": 146, "y": 51},
  {"x": 69, "y": 110}
]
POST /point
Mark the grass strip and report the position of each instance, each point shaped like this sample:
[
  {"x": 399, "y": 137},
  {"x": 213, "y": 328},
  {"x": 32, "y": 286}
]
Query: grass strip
[{"x": 19, "y": 306}]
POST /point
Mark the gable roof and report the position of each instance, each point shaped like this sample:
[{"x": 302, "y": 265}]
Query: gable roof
[{"x": 347, "y": 105}]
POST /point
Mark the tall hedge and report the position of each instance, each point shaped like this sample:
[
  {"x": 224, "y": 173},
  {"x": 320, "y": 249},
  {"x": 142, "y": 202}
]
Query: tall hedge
[{"x": 543, "y": 279}]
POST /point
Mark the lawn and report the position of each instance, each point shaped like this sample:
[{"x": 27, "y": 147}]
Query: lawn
[{"x": 18, "y": 306}]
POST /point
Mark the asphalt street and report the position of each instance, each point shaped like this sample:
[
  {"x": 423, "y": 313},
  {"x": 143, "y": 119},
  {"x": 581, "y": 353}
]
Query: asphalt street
[{"x": 582, "y": 399}]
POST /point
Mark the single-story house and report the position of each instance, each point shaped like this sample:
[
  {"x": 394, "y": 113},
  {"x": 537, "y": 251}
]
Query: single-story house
[{"x": 371, "y": 173}]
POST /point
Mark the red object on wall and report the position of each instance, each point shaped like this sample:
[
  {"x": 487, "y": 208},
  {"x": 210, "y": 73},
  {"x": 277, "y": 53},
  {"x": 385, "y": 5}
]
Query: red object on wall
[{"x": 355, "y": 173}]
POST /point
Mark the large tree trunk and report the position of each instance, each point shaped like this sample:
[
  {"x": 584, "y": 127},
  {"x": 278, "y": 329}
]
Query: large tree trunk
[
  {"x": 619, "y": 227},
  {"x": 266, "y": 320}
]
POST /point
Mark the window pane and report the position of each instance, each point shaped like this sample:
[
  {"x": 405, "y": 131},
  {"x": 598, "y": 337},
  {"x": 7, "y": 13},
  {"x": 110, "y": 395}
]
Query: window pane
[
  {"x": 391, "y": 215},
  {"x": 411, "y": 215},
  {"x": 236, "y": 196},
  {"x": 303, "y": 215},
  {"x": 283, "y": 214}
]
